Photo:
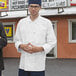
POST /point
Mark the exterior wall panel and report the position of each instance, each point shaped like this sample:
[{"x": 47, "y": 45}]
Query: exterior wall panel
[{"x": 64, "y": 48}]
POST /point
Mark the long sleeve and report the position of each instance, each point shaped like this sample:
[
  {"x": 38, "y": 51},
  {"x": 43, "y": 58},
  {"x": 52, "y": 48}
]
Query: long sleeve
[
  {"x": 50, "y": 39},
  {"x": 3, "y": 39},
  {"x": 17, "y": 38}
]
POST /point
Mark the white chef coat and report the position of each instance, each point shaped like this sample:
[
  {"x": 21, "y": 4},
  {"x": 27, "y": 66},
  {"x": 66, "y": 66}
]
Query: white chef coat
[{"x": 38, "y": 32}]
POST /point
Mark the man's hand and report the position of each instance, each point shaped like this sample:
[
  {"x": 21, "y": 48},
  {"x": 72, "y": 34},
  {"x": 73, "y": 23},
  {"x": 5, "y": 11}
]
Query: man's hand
[
  {"x": 31, "y": 48},
  {"x": 0, "y": 37},
  {"x": 35, "y": 48},
  {"x": 25, "y": 47}
]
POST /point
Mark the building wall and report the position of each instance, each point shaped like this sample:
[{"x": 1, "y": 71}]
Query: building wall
[{"x": 64, "y": 48}]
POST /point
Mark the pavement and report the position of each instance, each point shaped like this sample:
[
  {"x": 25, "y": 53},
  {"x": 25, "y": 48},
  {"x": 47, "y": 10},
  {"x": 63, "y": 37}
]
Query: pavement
[
  {"x": 54, "y": 67},
  {"x": 61, "y": 67}
]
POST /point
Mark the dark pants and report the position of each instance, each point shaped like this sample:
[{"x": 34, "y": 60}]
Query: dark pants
[
  {"x": 0, "y": 73},
  {"x": 31, "y": 73}
]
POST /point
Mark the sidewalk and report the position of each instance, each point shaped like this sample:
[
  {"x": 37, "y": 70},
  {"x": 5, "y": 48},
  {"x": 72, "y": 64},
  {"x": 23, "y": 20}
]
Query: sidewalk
[
  {"x": 61, "y": 67},
  {"x": 54, "y": 67}
]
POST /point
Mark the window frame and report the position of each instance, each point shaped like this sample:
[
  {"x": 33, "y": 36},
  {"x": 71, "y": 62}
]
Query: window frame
[
  {"x": 10, "y": 23},
  {"x": 70, "y": 30}
]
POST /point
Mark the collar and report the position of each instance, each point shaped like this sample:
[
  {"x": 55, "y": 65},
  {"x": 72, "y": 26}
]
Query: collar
[{"x": 29, "y": 19}]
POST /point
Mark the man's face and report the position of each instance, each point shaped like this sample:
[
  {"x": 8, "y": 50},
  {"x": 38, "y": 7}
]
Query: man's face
[{"x": 34, "y": 9}]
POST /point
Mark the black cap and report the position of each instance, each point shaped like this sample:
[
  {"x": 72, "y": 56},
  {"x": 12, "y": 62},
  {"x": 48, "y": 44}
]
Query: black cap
[{"x": 34, "y": 2}]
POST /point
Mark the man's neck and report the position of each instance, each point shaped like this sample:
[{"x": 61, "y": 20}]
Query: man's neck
[{"x": 33, "y": 17}]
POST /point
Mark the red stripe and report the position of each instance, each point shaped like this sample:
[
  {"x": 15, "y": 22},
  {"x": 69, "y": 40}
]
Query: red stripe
[{"x": 73, "y": 4}]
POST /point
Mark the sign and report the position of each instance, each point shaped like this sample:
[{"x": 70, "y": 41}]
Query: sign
[
  {"x": 8, "y": 30},
  {"x": 54, "y": 4},
  {"x": 73, "y": 2},
  {"x": 3, "y": 5},
  {"x": 18, "y": 4}
]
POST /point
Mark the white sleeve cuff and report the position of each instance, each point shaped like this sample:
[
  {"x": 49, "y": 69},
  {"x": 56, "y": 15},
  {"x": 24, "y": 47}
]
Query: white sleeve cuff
[
  {"x": 48, "y": 47},
  {"x": 17, "y": 46}
]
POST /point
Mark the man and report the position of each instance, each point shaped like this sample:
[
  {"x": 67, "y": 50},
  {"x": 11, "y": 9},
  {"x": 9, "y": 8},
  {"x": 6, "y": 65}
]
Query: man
[
  {"x": 3, "y": 43},
  {"x": 34, "y": 39}
]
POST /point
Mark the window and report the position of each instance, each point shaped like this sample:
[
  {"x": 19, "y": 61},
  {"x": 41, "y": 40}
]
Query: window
[
  {"x": 72, "y": 31},
  {"x": 9, "y": 30}
]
